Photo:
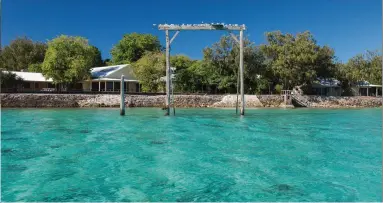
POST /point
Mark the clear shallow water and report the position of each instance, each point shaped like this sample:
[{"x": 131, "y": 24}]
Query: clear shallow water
[{"x": 199, "y": 155}]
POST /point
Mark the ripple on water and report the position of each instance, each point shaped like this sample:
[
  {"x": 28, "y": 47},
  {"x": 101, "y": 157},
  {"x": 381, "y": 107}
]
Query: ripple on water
[{"x": 198, "y": 155}]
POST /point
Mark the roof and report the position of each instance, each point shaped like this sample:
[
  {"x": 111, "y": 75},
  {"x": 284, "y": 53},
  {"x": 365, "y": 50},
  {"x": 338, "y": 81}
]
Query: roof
[
  {"x": 326, "y": 83},
  {"x": 113, "y": 72},
  {"x": 30, "y": 76},
  {"x": 104, "y": 72},
  {"x": 114, "y": 79},
  {"x": 366, "y": 84}
]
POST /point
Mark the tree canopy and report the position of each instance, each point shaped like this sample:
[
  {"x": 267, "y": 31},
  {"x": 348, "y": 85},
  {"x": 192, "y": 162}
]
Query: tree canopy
[
  {"x": 149, "y": 69},
  {"x": 69, "y": 59},
  {"x": 97, "y": 59},
  {"x": 222, "y": 62},
  {"x": 285, "y": 61},
  {"x": 9, "y": 80},
  {"x": 297, "y": 60},
  {"x": 363, "y": 67},
  {"x": 133, "y": 46},
  {"x": 21, "y": 53}
]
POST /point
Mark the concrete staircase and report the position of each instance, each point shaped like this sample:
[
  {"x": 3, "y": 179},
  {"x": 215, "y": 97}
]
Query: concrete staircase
[{"x": 298, "y": 100}]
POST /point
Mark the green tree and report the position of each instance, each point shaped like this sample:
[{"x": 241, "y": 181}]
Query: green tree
[
  {"x": 363, "y": 67},
  {"x": 180, "y": 62},
  {"x": 97, "y": 59},
  {"x": 133, "y": 46},
  {"x": 184, "y": 77},
  {"x": 149, "y": 69},
  {"x": 68, "y": 59},
  {"x": 297, "y": 60},
  {"x": 21, "y": 53},
  {"x": 9, "y": 80},
  {"x": 222, "y": 62},
  {"x": 36, "y": 67}
]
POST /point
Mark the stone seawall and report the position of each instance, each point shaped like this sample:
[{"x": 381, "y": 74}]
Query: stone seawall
[
  {"x": 100, "y": 100},
  {"x": 344, "y": 102},
  {"x": 271, "y": 100}
]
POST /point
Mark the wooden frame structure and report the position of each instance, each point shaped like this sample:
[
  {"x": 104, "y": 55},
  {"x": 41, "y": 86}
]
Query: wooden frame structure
[{"x": 207, "y": 27}]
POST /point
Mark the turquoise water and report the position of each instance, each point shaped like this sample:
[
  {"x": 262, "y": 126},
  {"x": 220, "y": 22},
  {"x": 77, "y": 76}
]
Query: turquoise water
[{"x": 199, "y": 155}]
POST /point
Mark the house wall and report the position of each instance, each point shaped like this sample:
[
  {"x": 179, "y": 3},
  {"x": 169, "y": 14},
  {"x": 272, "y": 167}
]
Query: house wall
[
  {"x": 86, "y": 85},
  {"x": 372, "y": 91},
  {"x": 35, "y": 86},
  {"x": 129, "y": 86},
  {"x": 327, "y": 91},
  {"x": 132, "y": 87}
]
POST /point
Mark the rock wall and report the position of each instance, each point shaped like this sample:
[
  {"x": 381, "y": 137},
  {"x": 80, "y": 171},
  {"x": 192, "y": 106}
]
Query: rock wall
[
  {"x": 344, "y": 102},
  {"x": 100, "y": 100},
  {"x": 251, "y": 101},
  {"x": 271, "y": 100}
]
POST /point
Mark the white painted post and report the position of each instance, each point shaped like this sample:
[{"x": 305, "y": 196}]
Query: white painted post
[
  {"x": 241, "y": 71},
  {"x": 99, "y": 86},
  {"x": 167, "y": 102},
  {"x": 122, "y": 93},
  {"x": 90, "y": 85}
]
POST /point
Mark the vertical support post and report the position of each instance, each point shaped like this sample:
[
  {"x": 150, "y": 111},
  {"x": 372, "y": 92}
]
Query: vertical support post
[
  {"x": 0, "y": 27},
  {"x": 113, "y": 86},
  {"x": 241, "y": 71},
  {"x": 122, "y": 93},
  {"x": 90, "y": 85},
  {"x": 99, "y": 86},
  {"x": 105, "y": 86},
  {"x": 376, "y": 91},
  {"x": 167, "y": 73},
  {"x": 236, "y": 105},
  {"x": 367, "y": 90}
]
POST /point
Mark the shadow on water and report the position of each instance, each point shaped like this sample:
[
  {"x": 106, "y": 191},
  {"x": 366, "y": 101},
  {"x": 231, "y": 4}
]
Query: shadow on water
[
  {"x": 284, "y": 190},
  {"x": 157, "y": 142},
  {"x": 85, "y": 131}
]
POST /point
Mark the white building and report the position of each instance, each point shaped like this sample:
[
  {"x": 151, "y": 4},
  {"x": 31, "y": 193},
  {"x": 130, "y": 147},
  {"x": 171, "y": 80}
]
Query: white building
[
  {"x": 106, "y": 78},
  {"x": 32, "y": 81},
  {"x": 327, "y": 87},
  {"x": 364, "y": 88}
]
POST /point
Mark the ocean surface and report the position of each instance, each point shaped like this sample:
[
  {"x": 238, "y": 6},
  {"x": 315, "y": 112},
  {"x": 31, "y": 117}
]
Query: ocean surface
[{"x": 53, "y": 155}]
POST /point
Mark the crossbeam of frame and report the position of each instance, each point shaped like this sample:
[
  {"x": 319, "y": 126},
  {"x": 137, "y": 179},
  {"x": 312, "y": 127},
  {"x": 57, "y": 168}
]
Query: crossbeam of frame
[{"x": 207, "y": 27}]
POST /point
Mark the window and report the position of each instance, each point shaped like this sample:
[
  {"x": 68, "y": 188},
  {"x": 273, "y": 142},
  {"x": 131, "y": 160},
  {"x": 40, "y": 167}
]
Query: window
[
  {"x": 109, "y": 86},
  {"x": 94, "y": 86},
  {"x": 27, "y": 85},
  {"x": 50, "y": 85},
  {"x": 117, "y": 86},
  {"x": 78, "y": 86}
]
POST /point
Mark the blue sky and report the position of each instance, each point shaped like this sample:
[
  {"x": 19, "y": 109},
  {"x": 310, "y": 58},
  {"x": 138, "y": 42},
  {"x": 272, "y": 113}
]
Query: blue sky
[{"x": 348, "y": 26}]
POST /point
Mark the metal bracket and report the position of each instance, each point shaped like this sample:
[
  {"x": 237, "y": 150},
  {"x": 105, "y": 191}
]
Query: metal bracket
[{"x": 174, "y": 36}]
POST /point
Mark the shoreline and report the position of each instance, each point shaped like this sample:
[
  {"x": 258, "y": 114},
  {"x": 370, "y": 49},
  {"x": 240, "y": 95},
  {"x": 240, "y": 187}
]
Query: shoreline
[{"x": 48, "y": 101}]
